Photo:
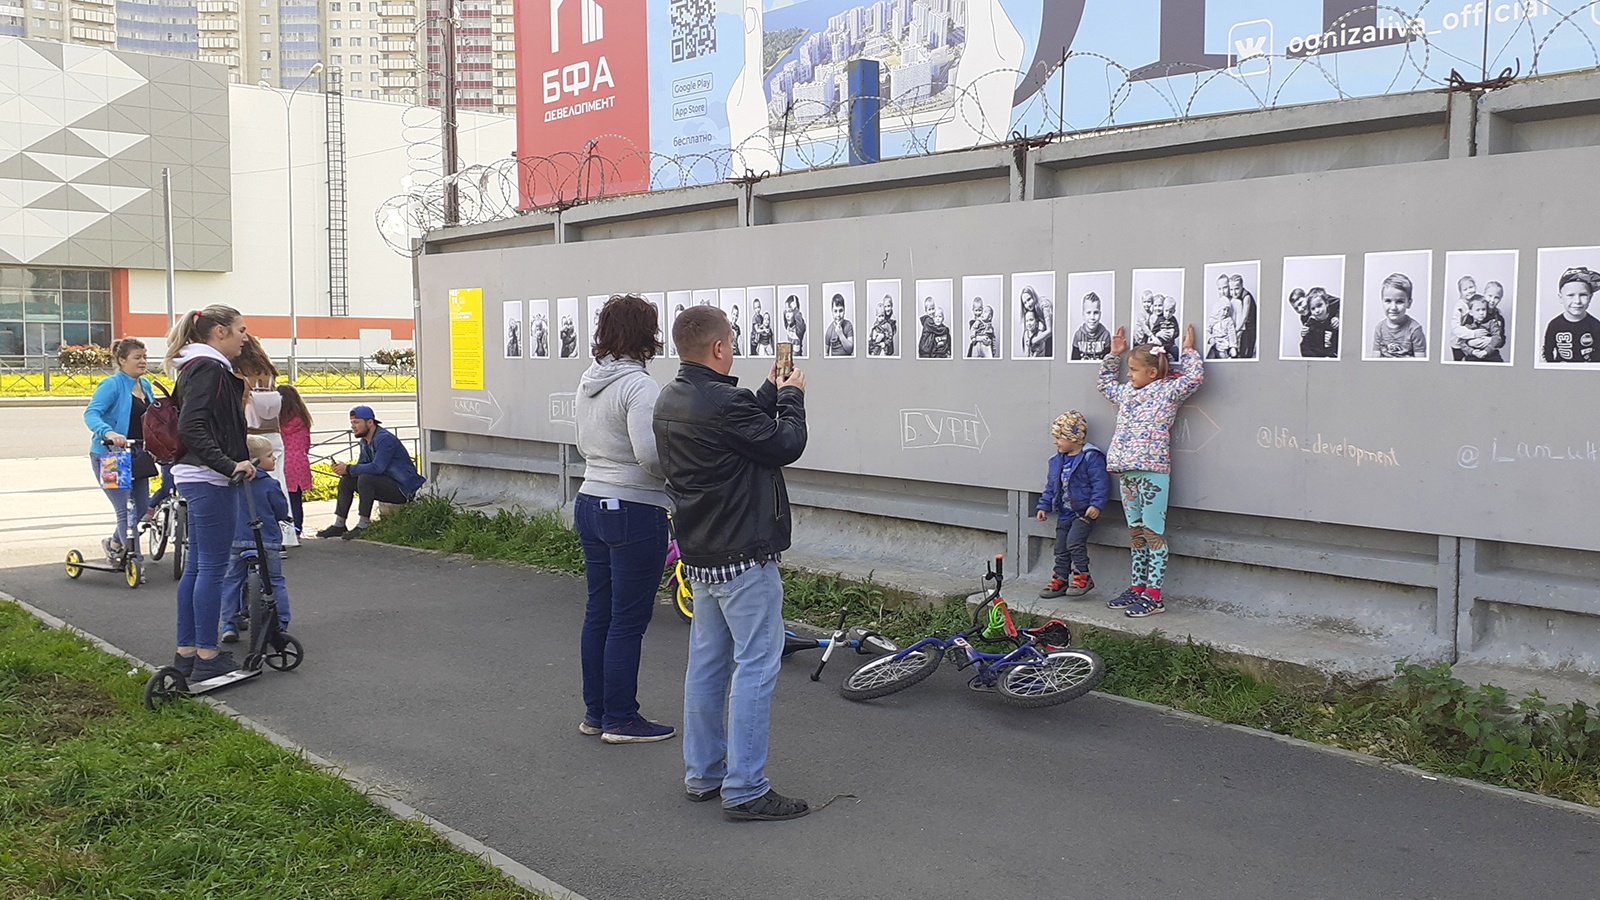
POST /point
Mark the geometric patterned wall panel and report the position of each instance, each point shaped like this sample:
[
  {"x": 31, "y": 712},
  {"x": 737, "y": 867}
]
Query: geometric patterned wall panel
[{"x": 84, "y": 135}]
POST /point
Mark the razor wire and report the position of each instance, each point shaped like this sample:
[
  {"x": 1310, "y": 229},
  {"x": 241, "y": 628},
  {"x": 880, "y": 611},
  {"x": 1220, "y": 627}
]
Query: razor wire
[{"x": 812, "y": 134}]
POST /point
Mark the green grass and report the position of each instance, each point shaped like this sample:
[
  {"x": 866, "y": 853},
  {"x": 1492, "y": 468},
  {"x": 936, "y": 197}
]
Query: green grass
[
  {"x": 64, "y": 384},
  {"x": 1425, "y": 717},
  {"x": 102, "y": 798}
]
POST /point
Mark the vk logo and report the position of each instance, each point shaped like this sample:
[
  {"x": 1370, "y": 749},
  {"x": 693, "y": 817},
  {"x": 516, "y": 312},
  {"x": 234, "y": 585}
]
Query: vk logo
[
  {"x": 1250, "y": 46},
  {"x": 594, "y": 26}
]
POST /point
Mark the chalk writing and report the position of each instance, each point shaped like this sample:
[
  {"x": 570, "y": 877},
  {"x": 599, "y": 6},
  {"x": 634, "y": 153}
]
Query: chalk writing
[
  {"x": 921, "y": 428},
  {"x": 484, "y": 409},
  {"x": 1469, "y": 456},
  {"x": 1269, "y": 438},
  {"x": 1193, "y": 430},
  {"x": 564, "y": 408}
]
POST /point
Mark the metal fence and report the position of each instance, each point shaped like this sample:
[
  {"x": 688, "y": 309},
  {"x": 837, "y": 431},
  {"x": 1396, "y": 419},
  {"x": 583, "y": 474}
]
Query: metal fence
[
  {"x": 343, "y": 446},
  {"x": 27, "y": 375}
]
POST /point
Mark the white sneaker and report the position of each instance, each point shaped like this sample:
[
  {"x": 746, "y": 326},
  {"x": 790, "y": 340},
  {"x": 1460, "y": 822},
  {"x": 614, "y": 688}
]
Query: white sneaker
[{"x": 290, "y": 539}]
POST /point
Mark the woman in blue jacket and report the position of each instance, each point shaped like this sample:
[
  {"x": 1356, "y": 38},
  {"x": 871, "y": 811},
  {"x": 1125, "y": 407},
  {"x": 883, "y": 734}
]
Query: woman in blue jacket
[{"x": 114, "y": 415}]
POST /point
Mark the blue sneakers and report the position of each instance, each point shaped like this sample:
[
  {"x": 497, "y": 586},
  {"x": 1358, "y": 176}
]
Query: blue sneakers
[
  {"x": 638, "y": 730},
  {"x": 1125, "y": 599},
  {"x": 1145, "y": 607}
]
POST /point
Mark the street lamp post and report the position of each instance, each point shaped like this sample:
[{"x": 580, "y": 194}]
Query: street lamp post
[{"x": 288, "y": 141}]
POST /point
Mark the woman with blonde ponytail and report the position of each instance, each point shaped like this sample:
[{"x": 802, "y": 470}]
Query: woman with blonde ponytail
[{"x": 201, "y": 348}]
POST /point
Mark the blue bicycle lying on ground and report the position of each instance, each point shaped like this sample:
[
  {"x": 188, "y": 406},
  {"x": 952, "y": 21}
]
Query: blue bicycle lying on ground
[
  {"x": 860, "y": 640},
  {"x": 1041, "y": 669}
]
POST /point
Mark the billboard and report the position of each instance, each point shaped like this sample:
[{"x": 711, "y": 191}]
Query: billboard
[{"x": 666, "y": 93}]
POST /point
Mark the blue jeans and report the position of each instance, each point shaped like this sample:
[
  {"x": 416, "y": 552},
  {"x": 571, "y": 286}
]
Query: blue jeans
[
  {"x": 212, "y": 511},
  {"x": 167, "y": 489},
  {"x": 1072, "y": 544},
  {"x": 239, "y": 570},
  {"x": 735, "y": 640},
  {"x": 119, "y": 500},
  {"x": 624, "y": 551}
]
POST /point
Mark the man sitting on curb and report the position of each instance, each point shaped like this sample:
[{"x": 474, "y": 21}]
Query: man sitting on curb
[{"x": 385, "y": 473}]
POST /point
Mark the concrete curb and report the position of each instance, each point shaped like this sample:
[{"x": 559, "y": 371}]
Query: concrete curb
[
  {"x": 347, "y": 397},
  {"x": 517, "y": 872}
]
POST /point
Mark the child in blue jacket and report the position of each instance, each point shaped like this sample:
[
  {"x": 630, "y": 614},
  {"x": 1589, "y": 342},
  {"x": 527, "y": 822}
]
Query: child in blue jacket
[
  {"x": 1076, "y": 490},
  {"x": 272, "y": 508}
]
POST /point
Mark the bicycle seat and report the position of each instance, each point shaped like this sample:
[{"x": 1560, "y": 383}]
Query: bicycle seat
[
  {"x": 1052, "y": 635},
  {"x": 793, "y": 643}
]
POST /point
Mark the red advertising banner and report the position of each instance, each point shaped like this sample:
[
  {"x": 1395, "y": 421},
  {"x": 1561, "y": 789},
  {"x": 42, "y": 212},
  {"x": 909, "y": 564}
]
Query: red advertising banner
[{"x": 583, "y": 98}]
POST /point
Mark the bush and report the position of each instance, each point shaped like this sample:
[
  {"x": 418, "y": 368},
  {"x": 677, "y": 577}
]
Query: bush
[
  {"x": 86, "y": 358},
  {"x": 404, "y": 360}
]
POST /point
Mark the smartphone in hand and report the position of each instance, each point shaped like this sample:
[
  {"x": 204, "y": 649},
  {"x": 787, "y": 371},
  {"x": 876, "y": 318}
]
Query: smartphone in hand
[{"x": 785, "y": 359}]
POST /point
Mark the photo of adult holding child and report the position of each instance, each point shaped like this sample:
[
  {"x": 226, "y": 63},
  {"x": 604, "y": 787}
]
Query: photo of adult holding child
[
  {"x": 1568, "y": 281},
  {"x": 621, "y": 518},
  {"x": 1141, "y": 455},
  {"x": 1076, "y": 488},
  {"x": 723, "y": 450}
]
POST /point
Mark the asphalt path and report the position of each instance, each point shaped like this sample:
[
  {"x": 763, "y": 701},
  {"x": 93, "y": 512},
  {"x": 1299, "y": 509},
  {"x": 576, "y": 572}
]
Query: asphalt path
[
  {"x": 454, "y": 685},
  {"x": 31, "y": 432}
]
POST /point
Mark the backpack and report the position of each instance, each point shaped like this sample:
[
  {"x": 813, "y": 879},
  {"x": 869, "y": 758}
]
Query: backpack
[{"x": 160, "y": 425}]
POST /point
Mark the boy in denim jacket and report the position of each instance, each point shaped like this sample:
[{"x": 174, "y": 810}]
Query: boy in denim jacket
[
  {"x": 271, "y": 506},
  {"x": 1076, "y": 489}
]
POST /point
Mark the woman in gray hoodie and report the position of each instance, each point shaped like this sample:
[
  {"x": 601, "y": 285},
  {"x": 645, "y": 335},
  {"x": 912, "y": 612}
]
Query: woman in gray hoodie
[{"x": 621, "y": 516}]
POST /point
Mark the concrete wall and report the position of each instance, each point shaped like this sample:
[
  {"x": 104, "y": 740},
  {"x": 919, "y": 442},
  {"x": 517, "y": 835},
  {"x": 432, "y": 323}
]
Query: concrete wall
[{"x": 1440, "y": 574}]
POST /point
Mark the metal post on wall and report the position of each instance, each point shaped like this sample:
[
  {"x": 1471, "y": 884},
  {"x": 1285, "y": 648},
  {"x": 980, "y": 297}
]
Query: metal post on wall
[
  {"x": 166, "y": 212},
  {"x": 452, "y": 197}
]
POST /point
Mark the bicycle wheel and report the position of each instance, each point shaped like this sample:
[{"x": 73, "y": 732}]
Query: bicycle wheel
[
  {"x": 682, "y": 595},
  {"x": 156, "y": 533},
  {"x": 180, "y": 540},
  {"x": 1061, "y": 676},
  {"x": 887, "y": 674}
]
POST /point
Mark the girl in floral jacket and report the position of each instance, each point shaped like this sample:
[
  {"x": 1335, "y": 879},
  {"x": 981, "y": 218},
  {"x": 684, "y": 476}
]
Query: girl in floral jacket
[{"x": 1140, "y": 453}]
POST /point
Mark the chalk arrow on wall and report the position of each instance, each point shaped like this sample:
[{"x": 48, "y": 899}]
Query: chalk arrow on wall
[
  {"x": 1193, "y": 430},
  {"x": 483, "y": 409},
  {"x": 920, "y": 428}
]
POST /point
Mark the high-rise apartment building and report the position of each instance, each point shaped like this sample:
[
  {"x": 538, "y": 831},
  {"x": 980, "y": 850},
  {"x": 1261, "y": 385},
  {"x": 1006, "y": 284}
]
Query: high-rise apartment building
[{"x": 386, "y": 50}]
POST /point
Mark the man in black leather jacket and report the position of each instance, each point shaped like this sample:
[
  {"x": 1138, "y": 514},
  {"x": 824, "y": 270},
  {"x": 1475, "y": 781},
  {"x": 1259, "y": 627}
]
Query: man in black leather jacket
[{"x": 722, "y": 450}]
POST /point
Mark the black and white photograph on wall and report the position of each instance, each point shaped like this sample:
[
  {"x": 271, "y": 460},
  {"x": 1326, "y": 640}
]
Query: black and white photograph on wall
[
  {"x": 1312, "y": 316},
  {"x": 1157, "y": 309},
  {"x": 982, "y": 335},
  {"x": 883, "y": 318},
  {"x": 538, "y": 338},
  {"x": 1480, "y": 306},
  {"x": 762, "y": 341},
  {"x": 706, "y": 297},
  {"x": 567, "y": 327},
  {"x": 658, "y": 302},
  {"x": 594, "y": 304},
  {"x": 1396, "y": 305},
  {"x": 677, "y": 302},
  {"x": 1568, "y": 334},
  {"x": 932, "y": 307},
  {"x": 1033, "y": 315},
  {"x": 793, "y": 318},
  {"x": 839, "y": 311},
  {"x": 511, "y": 325},
  {"x": 1233, "y": 316},
  {"x": 1091, "y": 315},
  {"x": 738, "y": 309}
]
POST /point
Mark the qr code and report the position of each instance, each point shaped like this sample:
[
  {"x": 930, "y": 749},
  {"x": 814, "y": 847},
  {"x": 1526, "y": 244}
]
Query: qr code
[{"x": 694, "y": 29}]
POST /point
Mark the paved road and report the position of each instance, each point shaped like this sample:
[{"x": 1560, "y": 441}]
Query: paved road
[
  {"x": 56, "y": 431},
  {"x": 455, "y": 685}
]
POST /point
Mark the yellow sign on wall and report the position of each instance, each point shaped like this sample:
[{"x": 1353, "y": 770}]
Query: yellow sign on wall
[{"x": 466, "y": 339}]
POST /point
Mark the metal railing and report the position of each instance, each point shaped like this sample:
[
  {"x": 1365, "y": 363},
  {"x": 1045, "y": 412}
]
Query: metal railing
[
  {"x": 343, "y": 446},
  {"x": 22, "y": 375}
]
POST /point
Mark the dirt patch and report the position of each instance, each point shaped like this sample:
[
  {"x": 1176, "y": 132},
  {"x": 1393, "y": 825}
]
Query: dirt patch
[{"x": 58, "y": 709}]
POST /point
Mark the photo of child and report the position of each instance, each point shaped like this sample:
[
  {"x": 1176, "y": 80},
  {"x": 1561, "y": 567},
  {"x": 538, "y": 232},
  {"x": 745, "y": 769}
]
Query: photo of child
[
  {"x": 677, "y": 302},
  {"x": 1568, "y": 280},
  {"x": 1312, "y": 319},
  {"x": 933, "y": 309},
  {"x": 733, "y": 303},
  {"x": 1157, "y": 308},
  {"x": 839, "y": 337},
  {"x": 658, "y": 302},
  {"x": 567, "y": 333},
  {"x": 513, "y": 328},
  {"x": 1479, "y": 278},
  {"x": 1232, "y": 315},
  {"x": 1033, "y": 315},
  {"x": 979, "y": 294},
  {"x": 595, "y": 303},
  {"x": 883, "y": 313},
  {"x": 1396, "y": 305},
  {"x": 763, "y": 328},
  {"x": 1089, "y": 314},
  {"x": 538, "y": 329},
  {"x": 792, "y": 320}
]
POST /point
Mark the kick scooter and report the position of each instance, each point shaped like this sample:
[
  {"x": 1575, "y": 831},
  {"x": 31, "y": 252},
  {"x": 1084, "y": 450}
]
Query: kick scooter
[
  {"x": 124, "y": 560},
  {"x": 269, "y": 643}
]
